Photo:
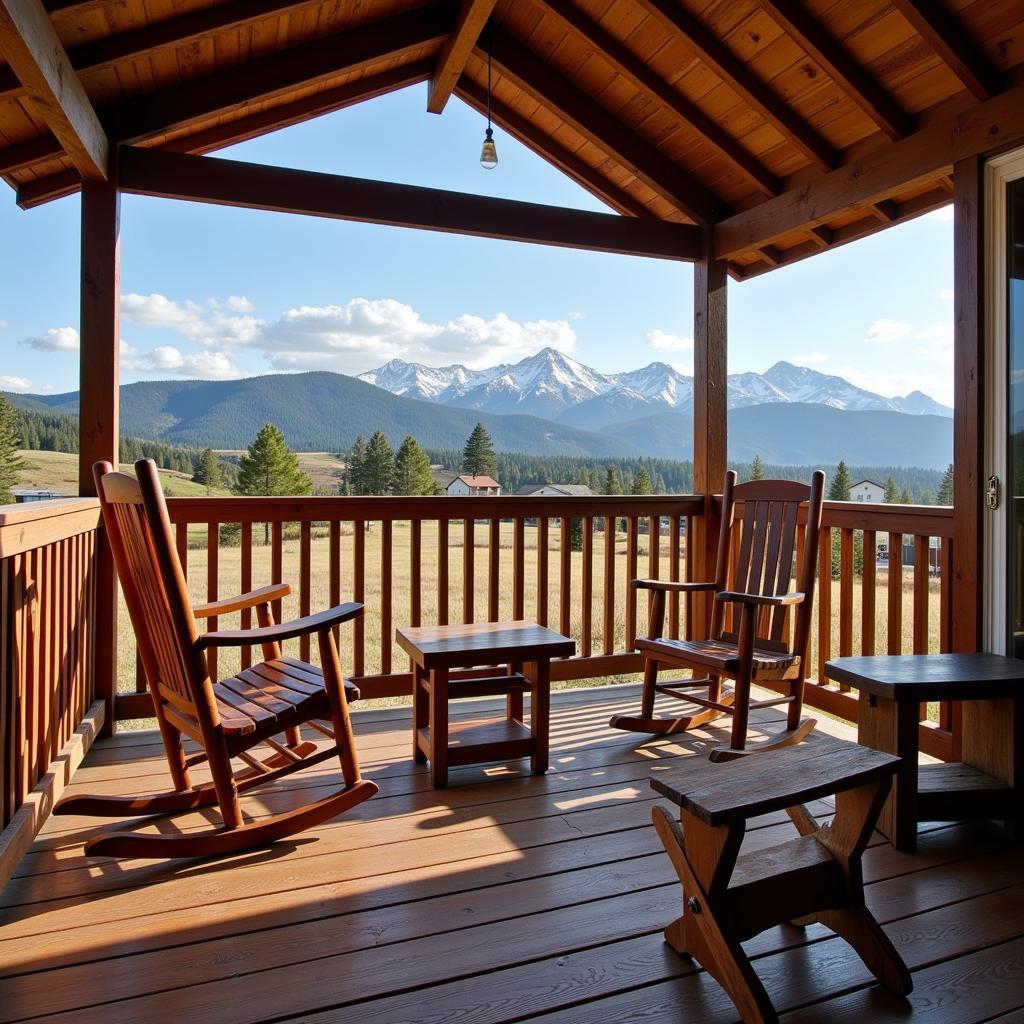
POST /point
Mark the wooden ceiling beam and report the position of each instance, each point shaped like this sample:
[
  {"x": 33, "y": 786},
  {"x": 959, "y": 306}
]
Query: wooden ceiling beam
[
  {"x": 634, "y": 70},
  {"x": 206, "y": 179},
  {"x": 735, "y": 73},
  {"x": 171, "y": 32},
  {"x": 792, "y": 17},
  {"x": 923, "y": 157},
  {"x": 456, "y": 51},
  {"x": 31, "y": 48},
  {"x": 941, "y": 32},
  {"x": 228, "y": 90},
  {"x": 56, "y": 186},
  {"x": 547, "y": 148},
  {"x": 31, "y": 151},
  {"x": 538, "y": 79}
]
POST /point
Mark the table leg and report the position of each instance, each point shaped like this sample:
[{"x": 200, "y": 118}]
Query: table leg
[
  {"x": 540, "y": 706},
  {"x": 893, "y": 727},
  {"x": 514, "y": 701},
  {"x": 420, "y": 714},
  {"x": 439, "y": 727}
]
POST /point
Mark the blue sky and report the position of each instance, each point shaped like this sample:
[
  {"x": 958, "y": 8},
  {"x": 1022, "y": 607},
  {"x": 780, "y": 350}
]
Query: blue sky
[{"x": 215, "y": 292}]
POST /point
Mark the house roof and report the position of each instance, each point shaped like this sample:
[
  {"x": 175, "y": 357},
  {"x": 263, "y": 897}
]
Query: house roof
[
  {"x": 792, "y": 125},
  {"x": 874, "y": 483},
  {"x": 478, "y": 481},
  {"x": 579, "y": 490}
]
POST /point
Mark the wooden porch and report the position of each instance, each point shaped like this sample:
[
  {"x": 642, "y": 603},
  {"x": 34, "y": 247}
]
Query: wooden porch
[{"x": 507, "y": 897}]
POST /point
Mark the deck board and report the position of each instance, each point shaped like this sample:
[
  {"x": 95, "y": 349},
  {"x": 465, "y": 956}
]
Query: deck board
[{"x": 504, "y": 898}]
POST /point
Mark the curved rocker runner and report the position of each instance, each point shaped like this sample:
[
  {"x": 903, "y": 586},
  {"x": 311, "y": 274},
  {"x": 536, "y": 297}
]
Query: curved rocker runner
[{"x": 263, "y": 706}]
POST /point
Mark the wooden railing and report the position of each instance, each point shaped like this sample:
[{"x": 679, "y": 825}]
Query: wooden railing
[{"x": 47, "y": 640}]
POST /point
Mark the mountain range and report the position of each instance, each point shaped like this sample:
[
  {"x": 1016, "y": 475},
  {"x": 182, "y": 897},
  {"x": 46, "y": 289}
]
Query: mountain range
[
  {"x": 555, "y": 386},
  {"x": 548, "y": 404}
]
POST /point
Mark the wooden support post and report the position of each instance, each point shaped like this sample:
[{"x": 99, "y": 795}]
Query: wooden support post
[
  {"x": 98, "y": 404},
  {"x": 968, "y": 441},
  {"x": 710, "y": 342}
]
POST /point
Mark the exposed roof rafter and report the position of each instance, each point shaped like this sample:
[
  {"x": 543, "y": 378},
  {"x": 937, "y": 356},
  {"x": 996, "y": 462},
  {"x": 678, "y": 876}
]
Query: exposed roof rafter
[
  {"x": 743, "y": 81},
  {"x": 636, "y": 71},
  {"x": 538, "y": 79},
  {"x": 456, "y": 51},
  {"x": 807, "y": 32},
  {"x": 30, "y": 46}
]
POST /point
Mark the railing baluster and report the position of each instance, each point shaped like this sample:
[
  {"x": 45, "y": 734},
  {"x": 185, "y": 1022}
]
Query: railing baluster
[
  {"x": 921, "y": 547},
  {"x": 565, "y": 575},
  {"x": 653, "y": 558},
  {"x": 386, "y": 588},
  {"x": 305, "y": 574},
  {"x": 277, "y": 564},
  {"x": 609, "y": 584},
  {"x": 334, "y": 570},
  {"x": 690, "y": 561},
  {"x": 674, "y": 524},
  {"x": 518, "y": 568},
  {"x": 493, "y": 570},
  {"x": 894, "y": 627},
  {"x": 442, "y": 572},
  {"x": 945, "y": 607},
  {"x": 245, "y": 539},
  {"x": 867, "y": 593},
  {"x": 468, "y": 568},
  {"x": 212, "y": 574},
  {"x": 359, "y": 593},
  {"x": 845, "y": 597},
  {"x": 824, "y": 601},
  {"x": 542, "y": 570},
  {"x": 587, "y": 586},
  {"x": 415, "y": 571},
  {"x": 631, "y": 599}
]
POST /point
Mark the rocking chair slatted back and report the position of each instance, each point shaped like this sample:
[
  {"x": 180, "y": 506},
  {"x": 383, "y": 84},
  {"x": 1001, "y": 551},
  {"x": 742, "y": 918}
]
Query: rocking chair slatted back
[
  {"x": 158, "y": 603},
  {"x": 770, "y": 545}
]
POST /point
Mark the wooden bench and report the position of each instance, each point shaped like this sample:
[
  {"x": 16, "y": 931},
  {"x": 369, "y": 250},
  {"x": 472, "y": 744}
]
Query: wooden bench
[{"x": 729, "y": 898}]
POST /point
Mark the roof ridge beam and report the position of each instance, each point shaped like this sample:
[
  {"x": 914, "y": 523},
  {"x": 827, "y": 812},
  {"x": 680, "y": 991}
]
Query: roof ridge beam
[
  {"x": 168, "y": 33},
  {"x": 738, "y": 77},
  {"x": 840, "y": 66},
  {"x": 940, "y": 31},
  {"x": 254, "y": 186},
  {"x": 455, "y": 54},
  {"x": 633, "y": 68},
  {"x": 603, "y": 129},
  {"x": 31, "y": 48}
]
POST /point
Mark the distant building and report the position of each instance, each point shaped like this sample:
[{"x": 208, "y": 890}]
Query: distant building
[
  {"x": 23, "y": 494},
  {"x": 555, "y": 490},
  {"x": 867, "y": 490},
  {"x": 474, "y": 487}
]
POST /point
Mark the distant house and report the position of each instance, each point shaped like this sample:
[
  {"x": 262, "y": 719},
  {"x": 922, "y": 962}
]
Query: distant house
[
  {"x": 23, "y": 494},
  {"x": 474, "y": 486},
  {"x": 555, "y": 490},
  {"x": 867, "y": 490}
]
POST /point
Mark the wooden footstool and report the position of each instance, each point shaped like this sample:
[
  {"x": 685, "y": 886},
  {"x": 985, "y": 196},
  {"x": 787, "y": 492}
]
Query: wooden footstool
[
  {"x": 728, "y": 898},
  {"x": 522, "y": 651}
]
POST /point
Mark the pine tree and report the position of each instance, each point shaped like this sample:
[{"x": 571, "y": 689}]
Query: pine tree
[
  {"x": 271, "y": 468},
  {"x": 642, "y": 482},
  {"x": 945, "y": 494},
  {"x": 11, "y": 463},
  {"x": 355, "y": 478},
  {"x": 839, "y": 489},
  {"x": 906, "y": 498},
  {"x": 378, "y": 466},
  {"x": 208, "y": 472},
  {"x": 612, "y": 480},
  {"x": 412, "y": 470},
  {"x": 892, "y": 492},
  {"x": 479, "y": 457},
  {"x": 757, "y": 469}
]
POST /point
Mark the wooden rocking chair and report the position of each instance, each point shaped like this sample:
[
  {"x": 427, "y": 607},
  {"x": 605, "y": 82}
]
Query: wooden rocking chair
[
  {"x": 758, "y": 649},
  {"x": 226, "y": 718}
]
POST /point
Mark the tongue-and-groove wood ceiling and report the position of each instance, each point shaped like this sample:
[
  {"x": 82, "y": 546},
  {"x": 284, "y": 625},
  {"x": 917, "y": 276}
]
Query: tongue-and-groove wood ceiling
[{"x": 682, "y": 110}]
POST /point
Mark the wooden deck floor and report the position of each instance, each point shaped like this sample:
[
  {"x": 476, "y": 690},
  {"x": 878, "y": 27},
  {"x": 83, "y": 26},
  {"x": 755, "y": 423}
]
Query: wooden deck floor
[{"x": 504, "y": 898}]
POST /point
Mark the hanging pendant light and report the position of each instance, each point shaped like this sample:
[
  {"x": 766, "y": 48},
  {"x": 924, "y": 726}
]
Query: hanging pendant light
[{"x": 489, "y": 152}]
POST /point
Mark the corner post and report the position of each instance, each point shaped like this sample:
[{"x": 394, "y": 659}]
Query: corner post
[
  {"x": 968, "y": 432},
  {"x": 99, "y": 402},
  {"x": 710, "y": 416}
]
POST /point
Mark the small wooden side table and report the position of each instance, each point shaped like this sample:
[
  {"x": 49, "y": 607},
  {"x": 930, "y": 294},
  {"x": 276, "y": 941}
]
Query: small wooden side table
[
  {"x": 523, "y": 650},
  {"x": 989, "y": 780},
  {"x": 729, "y": 898}
]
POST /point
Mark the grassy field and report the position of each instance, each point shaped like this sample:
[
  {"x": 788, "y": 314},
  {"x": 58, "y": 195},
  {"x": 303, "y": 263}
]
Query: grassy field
[{"x": 229, "y": 574}]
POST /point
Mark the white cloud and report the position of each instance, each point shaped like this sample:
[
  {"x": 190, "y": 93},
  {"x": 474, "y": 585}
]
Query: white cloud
[
  {"x": 208, "y": 365},
  {"x": 366, "y": 332},
  {"x": 892, "y": 383},
  {"x": 884, "y": 331},
  {"x": 210, "y": 324},
  {"x": 810, "y": 359},
  {"x": 943, "y": 213},
  {"x": 4, "y": 325},
  {"x": 664, "y": 341},
  {"x": 56, "y": 339},
  {"x": 14, "y": 383}
]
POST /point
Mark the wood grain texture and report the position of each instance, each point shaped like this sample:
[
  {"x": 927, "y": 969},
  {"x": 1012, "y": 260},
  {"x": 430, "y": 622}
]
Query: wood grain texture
[{"x": 455, "y": 53}]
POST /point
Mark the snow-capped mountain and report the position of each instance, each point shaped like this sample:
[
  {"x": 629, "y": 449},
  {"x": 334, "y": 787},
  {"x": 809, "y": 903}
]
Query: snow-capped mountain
[{"x": 555, "y": 386}]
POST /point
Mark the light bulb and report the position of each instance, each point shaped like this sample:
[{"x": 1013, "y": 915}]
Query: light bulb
[{"x": 489, "y": 152}]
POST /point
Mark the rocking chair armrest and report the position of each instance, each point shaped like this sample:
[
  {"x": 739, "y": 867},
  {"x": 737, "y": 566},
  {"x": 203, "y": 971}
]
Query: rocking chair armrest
[
  {"x": 764, "y": 600},
  {"x": 318, "y": 623},
  {"x": 263, "y": 595},
  {"x": 672, "y": 585}
]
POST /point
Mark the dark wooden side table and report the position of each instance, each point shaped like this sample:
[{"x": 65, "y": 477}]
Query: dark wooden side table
[
  {"x": 989, "y": 781},
  {"x": 522, "y": 651}
]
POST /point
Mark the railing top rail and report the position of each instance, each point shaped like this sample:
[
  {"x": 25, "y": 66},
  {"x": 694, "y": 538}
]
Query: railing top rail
[
  {"x": 38, "y": 523},
  {"x": 912, "y": 520},
  {"x": 29, "y": 511},
  {"x": 397, "y": 508}
]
